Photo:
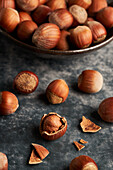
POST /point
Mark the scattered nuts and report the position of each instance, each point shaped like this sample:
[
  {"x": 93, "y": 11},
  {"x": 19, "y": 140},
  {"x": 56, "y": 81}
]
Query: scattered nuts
[
  {"x": 98, "y": 31},
  {"x": 57, "y": 91},
  {"x": 7, "y": 4},
  {"x": 83, "y": 141},
  {"x": 96, "y": 6},
  {"x": 83, "y": 162},
  {"x": 63, "y": 43},
  {"x": 90, "y": 81},
  {"x": 78, "y": 145},
  {"x": 8, "y": 103},
  {"x": 79, "y": 14},
  {"x": 106, "y": 109},
  {"x": 26, "y": 29},
  {"x": 46, "y": 36},
  {"x": 105, "y": 16},
  {"x": 40, "y": 15},
  {"x": 56, "y": 4},
  {"x": 25, "y": 82},
  {"x": 81, "y": 36},
  {"x": 83, "y": 3},
  {"x": 27, "y": 5},
  {"x": 52, "y": 126},
  {"x": 59, "y": 15},
  {"x": 88, "y": 126},
  {"x": 3, "y": 161},
  {"x": 38, "y": 154},
  {"x": 9, "y": 19},
  {"x": 24, "y": 16}
]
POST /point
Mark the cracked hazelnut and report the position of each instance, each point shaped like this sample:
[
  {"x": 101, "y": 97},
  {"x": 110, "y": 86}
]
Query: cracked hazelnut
[
  {"x": 52, "y": 126},
  {"x": 83, "y": 162},
  {"x": 57, "y": 91},
  {"x": 25, "y": 82},
  {"x": 3, "y": 161}
]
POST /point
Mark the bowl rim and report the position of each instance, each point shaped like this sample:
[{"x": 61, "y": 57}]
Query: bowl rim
[{"x": 58, "y": 52}]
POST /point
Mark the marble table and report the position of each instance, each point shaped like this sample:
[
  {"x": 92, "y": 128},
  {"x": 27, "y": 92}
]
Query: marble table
[{"x": 19, "y": 130}]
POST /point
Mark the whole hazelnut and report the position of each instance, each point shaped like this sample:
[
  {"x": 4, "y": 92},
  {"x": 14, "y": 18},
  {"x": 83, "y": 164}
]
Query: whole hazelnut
[
  {"x": 63, "y": 43},
  {"x": 3, "y": 161},
  {"x": 81, "y": 36},
  {"x": 90, "y": 81},
  {"x": 83, "y": 3},
  {"x": 24, "y": 16},
  {"x": 62, "y": 18},
  {"x": 27, "y": 5},
  {"x": 57, "y": 91},
  {"x": 46, "y": 36},
  {"x": 56, "y": 4},
  {"x": 79, "y": 14},
  {"x": 7, "y": 4},
  {"x": 83, "y": 162},
  {"x": 26, "y": 29},
  {"x": 98, "y": 31},
  {"x": 9, "y": 19},
  {"x": 96, "y": 6},
  {"x": 105, "y": 17},
  {"x": 25, "y": 82},
  {"x": 8, "y": 103},
  {"x": 41, "y": 13},
  {"x": 52, "y": 126},
  {"x": 105, "y": 109}
]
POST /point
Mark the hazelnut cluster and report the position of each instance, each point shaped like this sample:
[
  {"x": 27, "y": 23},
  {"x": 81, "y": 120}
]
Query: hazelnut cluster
[{"x": 54, "y": 24}]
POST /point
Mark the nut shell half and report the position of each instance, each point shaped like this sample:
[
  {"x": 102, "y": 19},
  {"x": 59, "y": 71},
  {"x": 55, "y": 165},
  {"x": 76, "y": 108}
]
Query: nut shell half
[{"x": 53, "y": 135}]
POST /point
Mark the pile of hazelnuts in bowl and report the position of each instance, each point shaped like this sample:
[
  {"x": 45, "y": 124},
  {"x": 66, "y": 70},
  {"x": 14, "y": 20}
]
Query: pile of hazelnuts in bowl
[{"x": 57, "y": 24}]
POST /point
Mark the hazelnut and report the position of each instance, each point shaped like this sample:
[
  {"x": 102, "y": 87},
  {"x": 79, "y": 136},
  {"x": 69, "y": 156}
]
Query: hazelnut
[
  {"x": 43, "y": 2},
  {"x": 96, "y": 6},
  {"x": 83, "y": 3},
  {"x": 56, "y": 4},
  {"x": 83, "y": 162},
  {"x": 3, "y": 161},
  {"x": 62, "y": 18},
  {"x": 8, "y": 103},
  {"x": 105, "y": 16},
  {"x": 81, "y": 36},
  {"x": 40, "y": 15},
  {"x": 9, "y": 19},
  {"x": 63, "y": 43},
  {"x": 52, "y": 126},
  {"x": 106, "y": 109},
  {"x": 25, "y": 82},
  {"x": 57, "y": 91},
  {"x": 27, "y": 5},
  {"x": 7, "y": 4},
  {"x": 98, "y": 31},
  {"x": 46, "y": 36},
  {"x": 90, "y": 81},
  {"x": 79, "y": 14},
  {"x": 24, "y": 16},
  {"x": 26, "y": 29}
]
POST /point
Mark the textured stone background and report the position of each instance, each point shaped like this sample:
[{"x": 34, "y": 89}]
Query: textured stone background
[{"x": 20, "y": 129}]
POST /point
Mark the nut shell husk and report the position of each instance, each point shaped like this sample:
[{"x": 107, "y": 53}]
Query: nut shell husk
[{"x": 54, "y": 135}]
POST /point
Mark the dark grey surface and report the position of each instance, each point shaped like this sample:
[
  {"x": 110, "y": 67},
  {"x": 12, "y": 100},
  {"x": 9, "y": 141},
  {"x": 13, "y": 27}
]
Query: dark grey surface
[{"x": 19, "y": 130}]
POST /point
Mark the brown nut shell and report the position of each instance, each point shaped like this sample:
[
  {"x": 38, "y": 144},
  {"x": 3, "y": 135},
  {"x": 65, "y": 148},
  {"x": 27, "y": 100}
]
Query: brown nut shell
[
  {"x": 106, "y": 109},
  {"x": 56, "y": 4},
  {"x": 58, "y": 132},
  {"x": 3, "y": 161},
  {"x": 57, "y": 91},
  {"x": 24, "y": 16},
  {"x": 7, "y": 4},
  {"x": 83, "y": 162}
]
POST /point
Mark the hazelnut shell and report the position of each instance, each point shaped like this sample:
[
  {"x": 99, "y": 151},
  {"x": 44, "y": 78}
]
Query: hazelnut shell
[{"x": 53, "y": 135}]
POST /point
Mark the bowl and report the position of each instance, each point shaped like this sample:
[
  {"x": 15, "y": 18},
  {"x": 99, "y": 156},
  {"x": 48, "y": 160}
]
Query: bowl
[{"x": 75, "y": 52}]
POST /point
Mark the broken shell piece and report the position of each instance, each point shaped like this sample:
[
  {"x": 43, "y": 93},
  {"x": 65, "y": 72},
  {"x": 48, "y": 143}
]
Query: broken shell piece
[
  {"x": 83, "y": 141},
  {"x": 38, "y": 154},
  {"x": 78, "y": 145},
  {"x": 88, "y": 126}
]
